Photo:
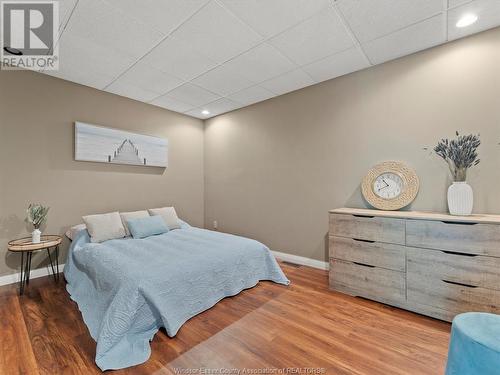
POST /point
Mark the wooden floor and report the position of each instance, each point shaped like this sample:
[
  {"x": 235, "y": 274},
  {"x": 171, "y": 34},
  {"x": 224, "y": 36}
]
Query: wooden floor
[{"x": 270, "y": 326}]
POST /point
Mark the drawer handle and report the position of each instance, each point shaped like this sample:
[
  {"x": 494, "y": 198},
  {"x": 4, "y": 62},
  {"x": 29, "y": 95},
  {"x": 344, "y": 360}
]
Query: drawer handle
[
  {"x": 460, "y": 284},
  {"x": 360, "y": 240},
  {"x": 457, "y": 222},
  {"x": 367, "y": 216},
  {"x": 364, "y": 265},
  {"x": 461, "y": 254}
]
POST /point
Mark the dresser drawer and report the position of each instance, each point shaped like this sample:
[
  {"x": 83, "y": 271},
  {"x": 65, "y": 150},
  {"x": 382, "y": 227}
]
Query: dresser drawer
[
  {"x": 377, "y": 254},
  {"x": 481, "y": 239},
  {"x": 451, "y": 297},
  {"x": 371, "y": 228},
  {"x": 375, "y": 283},
  {"x": 475, "y": 270}
]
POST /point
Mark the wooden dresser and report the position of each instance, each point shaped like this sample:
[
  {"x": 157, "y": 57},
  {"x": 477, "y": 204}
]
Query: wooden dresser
[{"x": 434, "y": 264}]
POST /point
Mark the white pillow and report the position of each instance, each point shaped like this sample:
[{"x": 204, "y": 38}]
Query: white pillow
[
  {"x": 73, "y": 231},
  {"x": 104, "y": 227},
  {"x": 132, "y": 215},
  {"x": 169, "y": 216}
]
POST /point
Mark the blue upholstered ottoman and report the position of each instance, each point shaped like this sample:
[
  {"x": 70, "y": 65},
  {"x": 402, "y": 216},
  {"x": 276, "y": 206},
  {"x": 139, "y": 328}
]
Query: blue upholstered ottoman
[{"x": 474, "y": 345}]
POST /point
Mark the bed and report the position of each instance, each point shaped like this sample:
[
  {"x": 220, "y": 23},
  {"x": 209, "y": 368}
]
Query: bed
[{"x": 126, "y": 289}]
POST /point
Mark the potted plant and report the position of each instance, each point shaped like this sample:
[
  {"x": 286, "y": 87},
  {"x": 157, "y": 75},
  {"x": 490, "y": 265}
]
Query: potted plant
[
  {"x": 37, "y": 215},
  {"x": 460, "y": 154}
]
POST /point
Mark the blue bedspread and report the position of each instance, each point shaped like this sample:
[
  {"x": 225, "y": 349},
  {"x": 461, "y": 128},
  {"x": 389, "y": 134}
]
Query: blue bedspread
[{"x": 127, "y": 289}]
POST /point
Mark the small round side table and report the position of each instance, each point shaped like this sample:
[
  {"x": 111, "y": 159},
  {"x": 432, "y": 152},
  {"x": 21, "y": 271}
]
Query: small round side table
[{"x": 24, "y": 245}]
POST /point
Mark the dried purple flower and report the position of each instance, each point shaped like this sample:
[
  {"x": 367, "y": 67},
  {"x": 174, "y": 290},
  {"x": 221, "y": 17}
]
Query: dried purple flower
[{"x": 460, "y": 154}]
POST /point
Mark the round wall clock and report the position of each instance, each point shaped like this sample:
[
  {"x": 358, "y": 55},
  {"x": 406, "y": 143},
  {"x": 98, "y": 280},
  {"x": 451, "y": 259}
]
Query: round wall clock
[{"x": 390, "y": 185}]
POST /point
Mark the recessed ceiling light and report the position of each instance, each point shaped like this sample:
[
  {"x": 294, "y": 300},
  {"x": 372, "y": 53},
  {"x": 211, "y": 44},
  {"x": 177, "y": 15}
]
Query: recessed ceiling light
[
  {"x": 205, "y": 112},
  {"x": 13, "y": 51},
  {"x": 466, "y": 20}
]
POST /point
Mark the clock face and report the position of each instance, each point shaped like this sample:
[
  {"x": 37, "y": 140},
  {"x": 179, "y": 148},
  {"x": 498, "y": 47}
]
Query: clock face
[{"x": 388, "y": 185}]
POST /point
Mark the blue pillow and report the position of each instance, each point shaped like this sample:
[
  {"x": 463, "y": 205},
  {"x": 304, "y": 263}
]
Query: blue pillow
[{"x": 147, "y": 226}]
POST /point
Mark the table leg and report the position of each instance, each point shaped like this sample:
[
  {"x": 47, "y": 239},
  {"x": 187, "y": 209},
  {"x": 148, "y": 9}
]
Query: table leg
[
  {"x": 57, "y": 261},
  {"x": 27, "y": 271},
  {"x": 52, "y": 265},
  {"x": 21, "y": 283}
]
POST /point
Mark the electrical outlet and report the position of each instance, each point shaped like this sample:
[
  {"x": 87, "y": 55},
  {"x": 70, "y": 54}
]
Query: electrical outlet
[{"x": 215, "y": 224}]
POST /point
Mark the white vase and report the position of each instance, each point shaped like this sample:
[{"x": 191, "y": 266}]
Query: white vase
[
  {"x": 35, "y": 236},
  {"x": 460, "y": 198}
]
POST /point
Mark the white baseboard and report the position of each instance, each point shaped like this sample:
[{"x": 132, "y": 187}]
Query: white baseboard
[
  {"x": 35, "y": 273},
  {"x": 301, "y": 260}
]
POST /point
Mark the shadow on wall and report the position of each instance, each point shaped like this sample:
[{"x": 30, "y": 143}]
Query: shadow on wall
[
  {"x": 355, "y": 200},
  {"x": 40, "y": 259},
  {"x": 12, "y": 227},
  {"x": 327, "y": 248},
  {"x": 89, "y": 166}
]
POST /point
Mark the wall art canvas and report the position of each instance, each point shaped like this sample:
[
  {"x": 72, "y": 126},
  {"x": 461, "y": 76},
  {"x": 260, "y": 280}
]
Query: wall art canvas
[{"x": 108, "y": 145}]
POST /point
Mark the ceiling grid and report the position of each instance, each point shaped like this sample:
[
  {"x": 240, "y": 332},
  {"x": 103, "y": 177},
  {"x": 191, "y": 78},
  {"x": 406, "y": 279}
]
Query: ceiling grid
[{"x": 207, "y": 57}]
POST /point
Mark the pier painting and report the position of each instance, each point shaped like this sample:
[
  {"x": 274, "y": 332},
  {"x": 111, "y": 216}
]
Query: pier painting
[{"x": 107, "y": 145}]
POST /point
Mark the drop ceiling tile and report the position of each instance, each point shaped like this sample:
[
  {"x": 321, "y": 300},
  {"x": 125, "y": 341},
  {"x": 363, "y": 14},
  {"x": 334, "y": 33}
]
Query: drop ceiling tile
[
  {"x": 132, "y": 91},
  {"x": 455, "y": 3},
  {"x": 192, "y": 95},
  {"x": 337, "y": 65},
  {"x": 269, "y": 18},
  {"x": 318, "y": 37},
  {"x": 101, "y": 23},
  {"x": 415, "y": 38},
  {"x": 223, "y": 80},
  {"x": 216, "y": 33},
  {"x": 162, "y": 15},
  {"x": 371, "y": 19},
  {"x": 83, "y": 77},
  {"x": 215, "y": 108},
  {"x": 261, "y": 63},
  {"x": 65, "y": 9},
  {"x": 179, "y": 59},
  {"x": 488, "y": 12},
  {"x": 147, "y": 77},
  {"x": 287, "y": 82},
  {"x": 251, "y": 95},
  {"x": 97, "y": 68},
  {"x": 104, "y": 38},
  {"x": 83, "y": 53},
  {"x": 172, "y": 104}
]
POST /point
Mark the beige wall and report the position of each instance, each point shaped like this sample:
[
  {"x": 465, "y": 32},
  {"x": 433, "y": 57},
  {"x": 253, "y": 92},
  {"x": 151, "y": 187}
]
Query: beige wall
[
  {"x": 37, "y": 113},
  {"x": 274, "y": 169}
]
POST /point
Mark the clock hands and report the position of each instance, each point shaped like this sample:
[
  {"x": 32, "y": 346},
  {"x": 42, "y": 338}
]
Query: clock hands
[{"x": 386, "y": 185}]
